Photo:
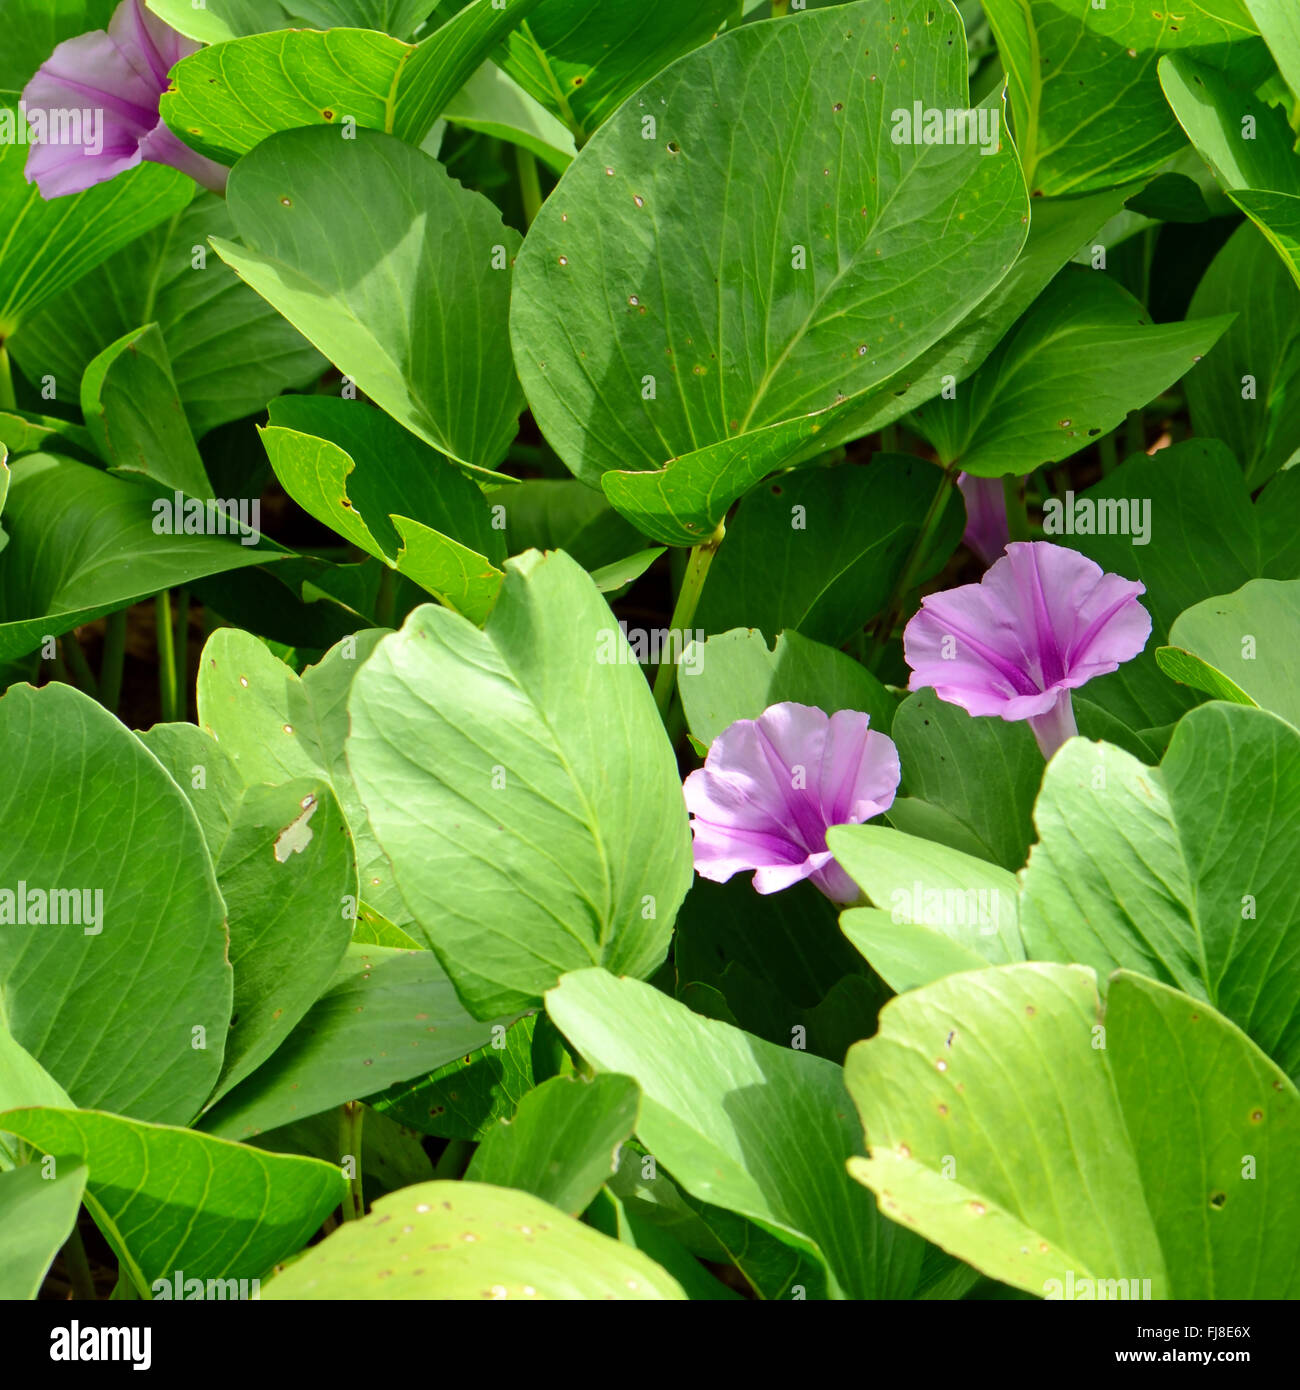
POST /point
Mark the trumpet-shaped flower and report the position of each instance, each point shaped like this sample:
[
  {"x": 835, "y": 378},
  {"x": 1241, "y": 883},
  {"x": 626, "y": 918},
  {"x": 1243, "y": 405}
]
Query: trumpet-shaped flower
[
  {"x": 771, "y": 787},
  {"x": 986, "y": 530},
  {"x": 112, "y": 83},
  {"x": 1043, "y": 621}
]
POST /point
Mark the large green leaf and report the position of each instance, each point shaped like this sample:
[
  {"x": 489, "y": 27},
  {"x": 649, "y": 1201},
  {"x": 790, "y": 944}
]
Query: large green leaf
[
  {"x": 134, "y": 413},
  {"x": 761, "y": 1130},
  {"x": 1182, "y": 872},
  {"x": 288, "y": 873},
  {"x": 1088, "y": 108},
  {"x": 216, "y": 21},
  {"x": 1245, "y": 392},
  {"x": 171, "y": 1200},
  {"x": 494, "y": 103},
  {"x": 1246, "y": 142},
  {"x": 735, "y": 676},
  {"x": 449, "y": 1240},
  {"x": 583, "y": 58},
  {"x": 83, "y": 543},
  {"x": 48, "y": 245},
  {"x": 1154, "y": 1146},
  {"x": 37, "y": 1214},
  {"x": 387, "y": 1016},
  {"x": 1251, "y": 639},
  {"x": 562, "y": 1143},
  {"x": 1084, "y": 355},
  {"x": 230, "y": 351},
  {"x": 682, "y": 330},
  {"x": 381, "y": 259},
  {"x": 529, "y": 752},
  {"x": 1279, "y": 23},
  {"x": 1206, "y": 538},
  {"x": 821, "y": 550},
  {"x": 128, "y": 1012},
  {"x": 376, "y": 484},
  {"x": 275, "y": 725}
]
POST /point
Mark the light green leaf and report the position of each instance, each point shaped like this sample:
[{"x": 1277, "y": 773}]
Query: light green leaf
[
  {"x": 528, "y": 752},
  {"x": 38, "y": 1215},
  {"x": 562, "y": 1143},
  {"x": 387, "y": 1016},
  {"x": 1083, "y": 356},
  {"x": 110, "y": 1007},
  {"x": 1181, "y": 872},
  {"x": 646, "y": 366},
  {"x": 216, "y": 21},
  {"x": 1247, "y": 642},
  {"x": 1128, "y": 1136},
  {"x": 22, "y": 432},
  {"x": 739, "y": 1123},
  {"x": 493, "y": 103},
  {"x": 470, "y": 1241},
  {"x": 134, "y": 413},
  {"x": 734, "y": 676},
  {"x": 1259, "y": 354},
  {"x": 171, "y": 1200},
  {"x": 1279, "y": 23},
  {"x": 426, "y": 263},
  {"x": 230, "y": 351}
]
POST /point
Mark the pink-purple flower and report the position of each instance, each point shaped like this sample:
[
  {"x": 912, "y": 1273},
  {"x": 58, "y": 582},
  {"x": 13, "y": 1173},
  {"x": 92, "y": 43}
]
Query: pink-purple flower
[
  {"x": 96, "y": 99},
  {"x": 1043, "y": 621},
  {"x": 771, "y": 787},
  {"x": 986, "y": 530}
]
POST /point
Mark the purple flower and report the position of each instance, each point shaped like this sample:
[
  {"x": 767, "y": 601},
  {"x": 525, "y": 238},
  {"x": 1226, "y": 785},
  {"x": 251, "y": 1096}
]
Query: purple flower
[
  {"x": 771, "y": 787},
  {"x": 93, "y": 105},
  {"x": 1043, "y": 621},
  {"x": 986, "y": 530}
]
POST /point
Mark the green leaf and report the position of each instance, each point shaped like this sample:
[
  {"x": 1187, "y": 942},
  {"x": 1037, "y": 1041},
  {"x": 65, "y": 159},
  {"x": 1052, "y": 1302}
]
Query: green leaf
[
  {"x": 821, "y": 550},
  {"x": 170, "y": 1200},
  {"x": 1279, "y": 24},
  {"x": 494, "y": 104},
  {"x": 355, "y": 469},
  {"x": 1248, "y": 640},
  {"x": 907, "y": 957},
  {"x": 761, "y": 1130},
  {"x": 1087, "y": 106},
  {"x": 22, "y": 432},
  {"x": 562, "y": 1143},
  {"x": 470, "y": 1240},
  {"x": 1128, "y": 1136},
  {"x": 645, "y": 366},
  {"x": 528, "y": 752},
  {"x": 274, "y": 725},
  {"x": 134, "y": 413},
  {"x": 1181, "y": 872},
  {"x": 215, "y": 21},
  {"x": 734, "y": 676},
  {"x": 34, "y": 28},
  {"x": 82, "y": 543},
  {"x": 584, "y": 58},
  {"x": 564, "y": 514},
  {"x": 467, "y": 1096},
  {"x": 38, "y": 1215},
  {"x": 387, "y": 1016},
  {"x": 1244, "y": 393},
  {"x": 205, "y": 772},
  {"x": 128, "y": 1011},
  {"x": 288, "y": 873},
  {"x": 391, "y": 1156},
  {"x": 418, "y": 274},
  {"x": 49, "y": 245},
  {"x": 1084, "y": 355},
  {"x": 230, "y": 351},
  {"x": 981, "y": 773},
  {"x": 1246, "y": 142},
  {"x": 1206, "y": 538}
]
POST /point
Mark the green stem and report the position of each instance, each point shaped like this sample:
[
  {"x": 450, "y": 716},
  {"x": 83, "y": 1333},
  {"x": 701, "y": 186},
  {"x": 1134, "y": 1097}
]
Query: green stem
[
  {"x": 182, "y": 653},
  {"x": 386, "y": 597},
  {"x": 1017, "y": 512},
  {"x": 530, "y": 185},
  {"x": 110, "y": 666},
  {"x": 166, "y": 657},
  {"x": 78, "y": 1266},
  {"x": 894, "y": 608},
  {"x": 354, "y": 1204},
  {"x": 80, "y": 666},
  {"x": 454, "y": 1159},
  {"x": 8, "y": 401},
  {"x": 688, "y": 600}
]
